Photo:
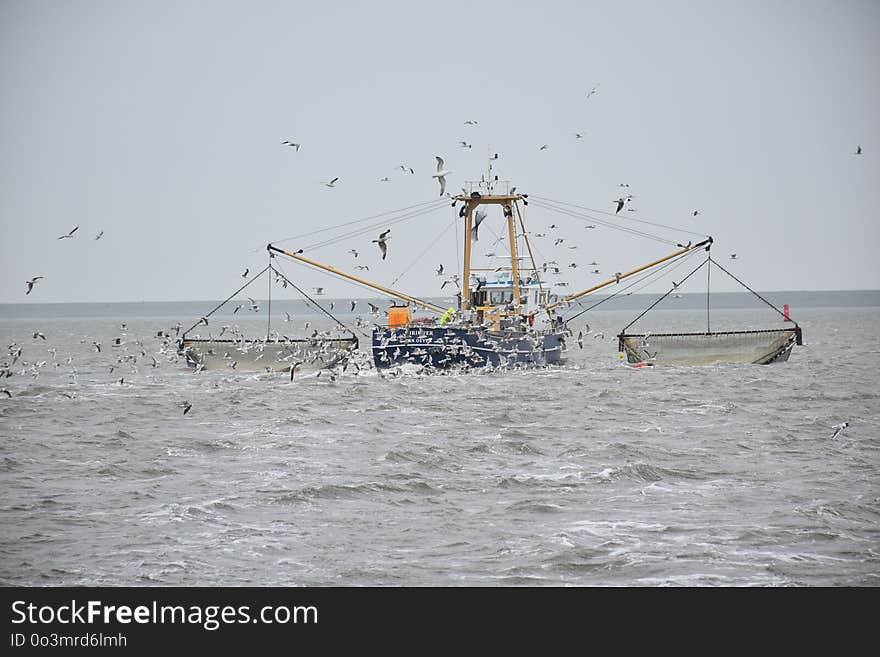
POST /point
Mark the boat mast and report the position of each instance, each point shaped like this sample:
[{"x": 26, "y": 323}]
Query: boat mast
[
  {"x": 357, "y": 279},
  {"x": 617, "y": 279},
  {"x": 514, "y": 265}
]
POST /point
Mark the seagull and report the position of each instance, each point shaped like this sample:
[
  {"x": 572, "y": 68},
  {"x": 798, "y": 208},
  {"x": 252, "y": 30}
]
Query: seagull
[
  {"x": 353, "y": 252},
  {"x": 244, "y": 275},
  {"x": 470, "y": 123},
  {"x": 319, "y": 291},
  {"x": 30, "y": 283},
  {"x": 838, "y": 429},
  {"x": 332, "y": 183},
  {"x": 478, "y": 219},
  {"x": 385, "y": 179},
  {"x": 353, "y": 304},
  {"x": 440, "y": 269},
  {"x": 733, "y": 256},
  {"x": 70, "y": 234},
  {"x": 440, "y": 175},
  {"x": 464, "y": 144},
  {"x": 858, "y": 150},
  {"x": 543, "y": 148},
  {"x": 593, "y": 90},
  {"x": 383, "y": 238},
  {"x": 287, "y": 142},
  {"x": 186, "y": 406},
  {"x": 617, "y": 276},
  {"x": 579, "y": 135},
  {"x": 363, "y": 267},
  {"x": 405, "y": 168},
  {"x": 696, "y": 212},
  {"x": 620, "y": 203},
  {"x": 37, "y": 334},
  {"x": 99, "y": 235}
]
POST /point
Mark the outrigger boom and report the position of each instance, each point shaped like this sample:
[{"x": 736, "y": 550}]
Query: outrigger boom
[
  {"x": 357, "y": 279},
  {"x": 617, "y": 279}
]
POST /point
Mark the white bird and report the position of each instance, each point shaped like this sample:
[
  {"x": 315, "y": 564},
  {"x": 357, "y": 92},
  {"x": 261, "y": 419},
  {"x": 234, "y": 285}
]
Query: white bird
[
  {"x": 543, "y": 148},
  {"x": 99, "y": 235},
  {"x": 405, "y": 168},
  {"x": 593, "y": 90},
  {"x": 287, "y": 142},
  {"x": 464, "y": 144},
  {"x": 733, "y": 256},
  {"x": 440, "y": 270},
  {"x": 470, "y": 123},
  {"x": 579, "y": 135},
  {"x": 383, "y": 238},
  {"x": 858, "y": 150},
  {"x": 332, "y": 183},
  {"x": 319, "y": 291},
  {"x": 441, "y": 174},
  {"x": 70, "y": 234},
  {"x": 838, "y": 429}
]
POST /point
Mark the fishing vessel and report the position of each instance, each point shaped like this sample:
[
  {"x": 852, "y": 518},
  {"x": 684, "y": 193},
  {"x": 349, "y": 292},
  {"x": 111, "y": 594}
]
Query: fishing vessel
[{"x": 504, "y": 315}]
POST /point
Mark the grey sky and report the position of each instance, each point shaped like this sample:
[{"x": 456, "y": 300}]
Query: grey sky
[{"x": 160, "y": 123}]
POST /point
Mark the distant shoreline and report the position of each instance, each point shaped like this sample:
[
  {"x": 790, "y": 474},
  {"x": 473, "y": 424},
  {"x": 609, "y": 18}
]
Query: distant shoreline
[{"x": 688, "y": 301}]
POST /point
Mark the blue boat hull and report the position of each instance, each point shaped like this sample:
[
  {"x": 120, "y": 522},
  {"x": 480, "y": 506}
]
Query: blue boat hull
[{"x": 445, "y": 347}]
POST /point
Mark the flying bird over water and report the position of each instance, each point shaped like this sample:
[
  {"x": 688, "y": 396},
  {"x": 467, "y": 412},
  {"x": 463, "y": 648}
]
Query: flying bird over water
[
  {"x": 464, "y": 144},
  {"x": 383, "y": 238},
  {"x": 319, "y": 291},
  {"x": 70, "y": 234},
  {"x": 620, "y": 203},
  {"x": 30, "y": 283},
  {"x": 332, "y": 183},
  {"x": 441, "y": 174},
  {"x": 99, "y": 235},
  {"x": 470, "y": 123},
  {"x": 440, "y": 270},
  {"x": 287, "y": 142},
  {"x": 245, "y": 273},
  {"x": 186, "y": 406},
  {"x": 593, "y": 90},
  {"x": 858, "y": 150},
  {"x": 733, "y": 256},
  {"x": 579, "y": 135},
  {"x": 543, "y": 147},
  {"x": 838, "y": 429},
  {"x": 405, "y": 168},
  {"x": 696, "y": 212}
]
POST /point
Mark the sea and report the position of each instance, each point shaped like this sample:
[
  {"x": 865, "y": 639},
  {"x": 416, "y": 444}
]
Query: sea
[{"x": 587, "y": 474}]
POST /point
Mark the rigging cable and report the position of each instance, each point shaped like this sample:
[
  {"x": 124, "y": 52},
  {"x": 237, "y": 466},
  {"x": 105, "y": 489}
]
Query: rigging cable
[{"x": 224, "y": 302}]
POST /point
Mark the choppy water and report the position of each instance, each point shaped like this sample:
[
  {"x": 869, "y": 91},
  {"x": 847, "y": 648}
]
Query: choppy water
[{"x": 587, "y": 474}]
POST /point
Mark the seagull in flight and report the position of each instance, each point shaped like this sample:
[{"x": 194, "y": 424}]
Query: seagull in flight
[
  {"x": 579, "y": 135},
  {"x": 405, "y": 168},
  {"x": 620, "y": 203},
  {"x": 838, "y": 429},
  {"x": 544, "y": 147},
  {"x": 479, "y": 215},
  {"x": 332, "y": 183},
  {"x": 470, "y": 123},
  {"x": 70, "y": 234},
  {"x": 287, "y": 142},
  {"x": 383, "y": 238},
  {"x": 464, "y": 144},
  {"x": 440, "y": 269},
  {"x": 696, "y": 212},
  {"x": 858, "y": 150},
  {"x": 99, "y": 235},
  {"x": 441, "y": 174},
  {"x": 319, "y": 291},
  {"x": 244, "y": 275},
  {"x": 593, "y": 90},
  {"x": 186, "y": 406},
  {"x": 733, "y": 256},
  {"x": 30, "y": 283}
]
